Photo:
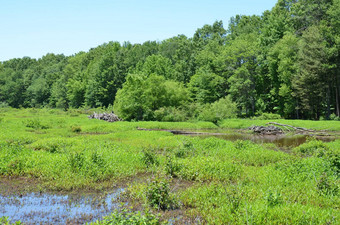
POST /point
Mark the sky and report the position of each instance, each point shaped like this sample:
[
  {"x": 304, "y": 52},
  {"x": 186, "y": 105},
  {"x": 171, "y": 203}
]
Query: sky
[{"x": 36, "y": 27}]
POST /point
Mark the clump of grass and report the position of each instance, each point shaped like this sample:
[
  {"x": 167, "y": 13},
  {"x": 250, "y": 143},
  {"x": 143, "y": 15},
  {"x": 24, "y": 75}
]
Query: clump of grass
[
  {"x": 149, "y": 157},
  {"x": 312, "y": 147},
  {"x": 35, "y": 124},
  {"x": 273, "y": 198},
  {"x": 76, "y": 161},
  {"x": 125, "y": 216},
  {"x": 76, "y": 129},
  {"x": 184, "y": 150},
  {"x": 172, "y": 168},
  {"x": 327, "y": 185}
]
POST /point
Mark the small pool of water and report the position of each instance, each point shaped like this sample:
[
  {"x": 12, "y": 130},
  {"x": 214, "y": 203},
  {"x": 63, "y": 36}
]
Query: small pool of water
[
  {"x": 36, "y": 208},
  {"x": 281, "y": 141}
]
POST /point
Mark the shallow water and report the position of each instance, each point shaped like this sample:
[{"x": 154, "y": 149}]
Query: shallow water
[
  {"x": 281, "y": 141},
  {"x": 35, "y": 208}
]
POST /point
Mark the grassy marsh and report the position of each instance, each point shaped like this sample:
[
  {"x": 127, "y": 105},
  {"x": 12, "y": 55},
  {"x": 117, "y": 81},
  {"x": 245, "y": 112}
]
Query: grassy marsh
[{"x": 208, "y": 181}]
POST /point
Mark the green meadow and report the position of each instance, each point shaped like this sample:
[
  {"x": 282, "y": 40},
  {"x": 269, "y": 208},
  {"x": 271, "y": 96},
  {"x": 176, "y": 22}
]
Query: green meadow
[{"x": 171, "y": 177}]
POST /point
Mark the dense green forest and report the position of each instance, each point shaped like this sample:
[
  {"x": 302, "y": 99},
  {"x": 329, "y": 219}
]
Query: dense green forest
[{"x": 286, "y": 61}]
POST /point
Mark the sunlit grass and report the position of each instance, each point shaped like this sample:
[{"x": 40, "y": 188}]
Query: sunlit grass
[{"x": 226, "y": 182}]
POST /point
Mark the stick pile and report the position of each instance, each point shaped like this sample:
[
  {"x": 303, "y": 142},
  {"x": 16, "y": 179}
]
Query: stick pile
[{"x": 109, "y": 117}]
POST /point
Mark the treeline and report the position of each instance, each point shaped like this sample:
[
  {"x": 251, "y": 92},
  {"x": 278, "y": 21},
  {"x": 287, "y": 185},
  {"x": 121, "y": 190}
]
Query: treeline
[{"x": 286, "y": 62}]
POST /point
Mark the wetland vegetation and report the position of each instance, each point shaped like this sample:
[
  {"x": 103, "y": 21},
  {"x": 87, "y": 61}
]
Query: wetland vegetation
[
  {"x": 167, "y": 177},
  {"x": 282, "y": 66}
]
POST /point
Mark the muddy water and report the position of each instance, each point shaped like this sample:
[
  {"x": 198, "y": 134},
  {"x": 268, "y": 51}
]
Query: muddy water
[
  {"x": 35, "y": 208},
  {"x": 281, "y": 141}
]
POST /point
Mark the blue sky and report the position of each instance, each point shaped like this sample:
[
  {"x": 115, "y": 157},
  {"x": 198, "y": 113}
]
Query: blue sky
[{"x": 36, "y": 27}]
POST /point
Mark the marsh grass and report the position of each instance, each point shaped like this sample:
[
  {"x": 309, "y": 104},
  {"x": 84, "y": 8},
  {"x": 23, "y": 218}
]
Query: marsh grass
[{"x": 227, "y": 182}]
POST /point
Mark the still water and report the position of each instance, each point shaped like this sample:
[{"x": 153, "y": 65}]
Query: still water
[{"x": 35, "y": 208}]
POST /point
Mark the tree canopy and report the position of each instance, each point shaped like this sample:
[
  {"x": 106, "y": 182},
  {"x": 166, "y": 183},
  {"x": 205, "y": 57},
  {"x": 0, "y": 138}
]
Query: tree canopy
[{"x": 285, "y": 61}]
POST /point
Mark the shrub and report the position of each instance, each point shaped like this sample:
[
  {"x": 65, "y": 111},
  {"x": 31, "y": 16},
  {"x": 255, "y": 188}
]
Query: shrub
[
  {"x": 35, "y": 124},
  {"x": 172, "y": 167},
  {"x": 313, "y": 147},
  {"x": 159, "y": 196},
  {"x": 4, "y": 105},
  {"x": 185, "y": 150},
  {"x": 76, "y": 129},
  {"x": 224, "y": 108},
  {"x": 76, "y": 161},
  {"x": 334, "y": 117},
  {"x": 268, "y": 116},
  {"x": 149, "y": 158},
  {"x": 171, "y": 114}
]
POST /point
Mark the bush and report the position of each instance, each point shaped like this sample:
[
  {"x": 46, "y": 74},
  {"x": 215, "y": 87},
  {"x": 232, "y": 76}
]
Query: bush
[
  {"x": 76, "y": 129},
  {"x": 171, "y": 114},
  {"x": 172, "y": 168},
  {"x": 159, "y": 196},
  {"x": 268, "y": 116},
  {"x": 149, "y": 158},
  {"x": 224, "y": 108},
  {"x": 4, "y": 105},
  {"x": 334, "y": 117},
  {"x": 313, "y": 147},
  {"x": 35, "y": 124}
]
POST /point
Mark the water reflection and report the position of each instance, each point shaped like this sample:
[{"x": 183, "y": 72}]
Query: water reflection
[
  {"x": 35, "y": 208},
  {"x": 281, "y": 141}
]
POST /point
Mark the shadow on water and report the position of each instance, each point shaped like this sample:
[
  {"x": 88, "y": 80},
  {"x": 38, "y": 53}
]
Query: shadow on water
[{"x": 35, "y": 208}]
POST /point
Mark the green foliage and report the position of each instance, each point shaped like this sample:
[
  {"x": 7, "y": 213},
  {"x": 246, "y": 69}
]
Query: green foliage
[
  {"x": 149, "y": 157},
  {"x": 172, "y": 168},
  {"x": 141, "y": 96},
  {"x": 273, "y": 198},
  {"x": 222, "y": 109},
  {"x": 268, "y": 116},
  {"x": 5, "y": 221},
  {"x": 216, "y": 181},
  {"x": 285, "y": 62},
  {"x": 171, "y": 114},
  {"x": 76, "y": 161},
  {"x": 327, "y": 185},
  {"x": 76, "y": 129},
  {"x": 159, "y": 196},
  {"x": 126, "y": 217},
  {"x": 35, "y": 124},
  {"x": 206, "y": 87},
  {"x": 313, "y": 147}
]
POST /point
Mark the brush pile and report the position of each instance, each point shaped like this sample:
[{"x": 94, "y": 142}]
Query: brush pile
[
  {"x": 109, "y": 117},
  {"x": 266, "y": 130}
]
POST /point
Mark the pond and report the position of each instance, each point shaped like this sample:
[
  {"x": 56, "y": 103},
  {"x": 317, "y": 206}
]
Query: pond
[
  {"x": 282, "y": 141},
  {"x": 45, "y": 208}
]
